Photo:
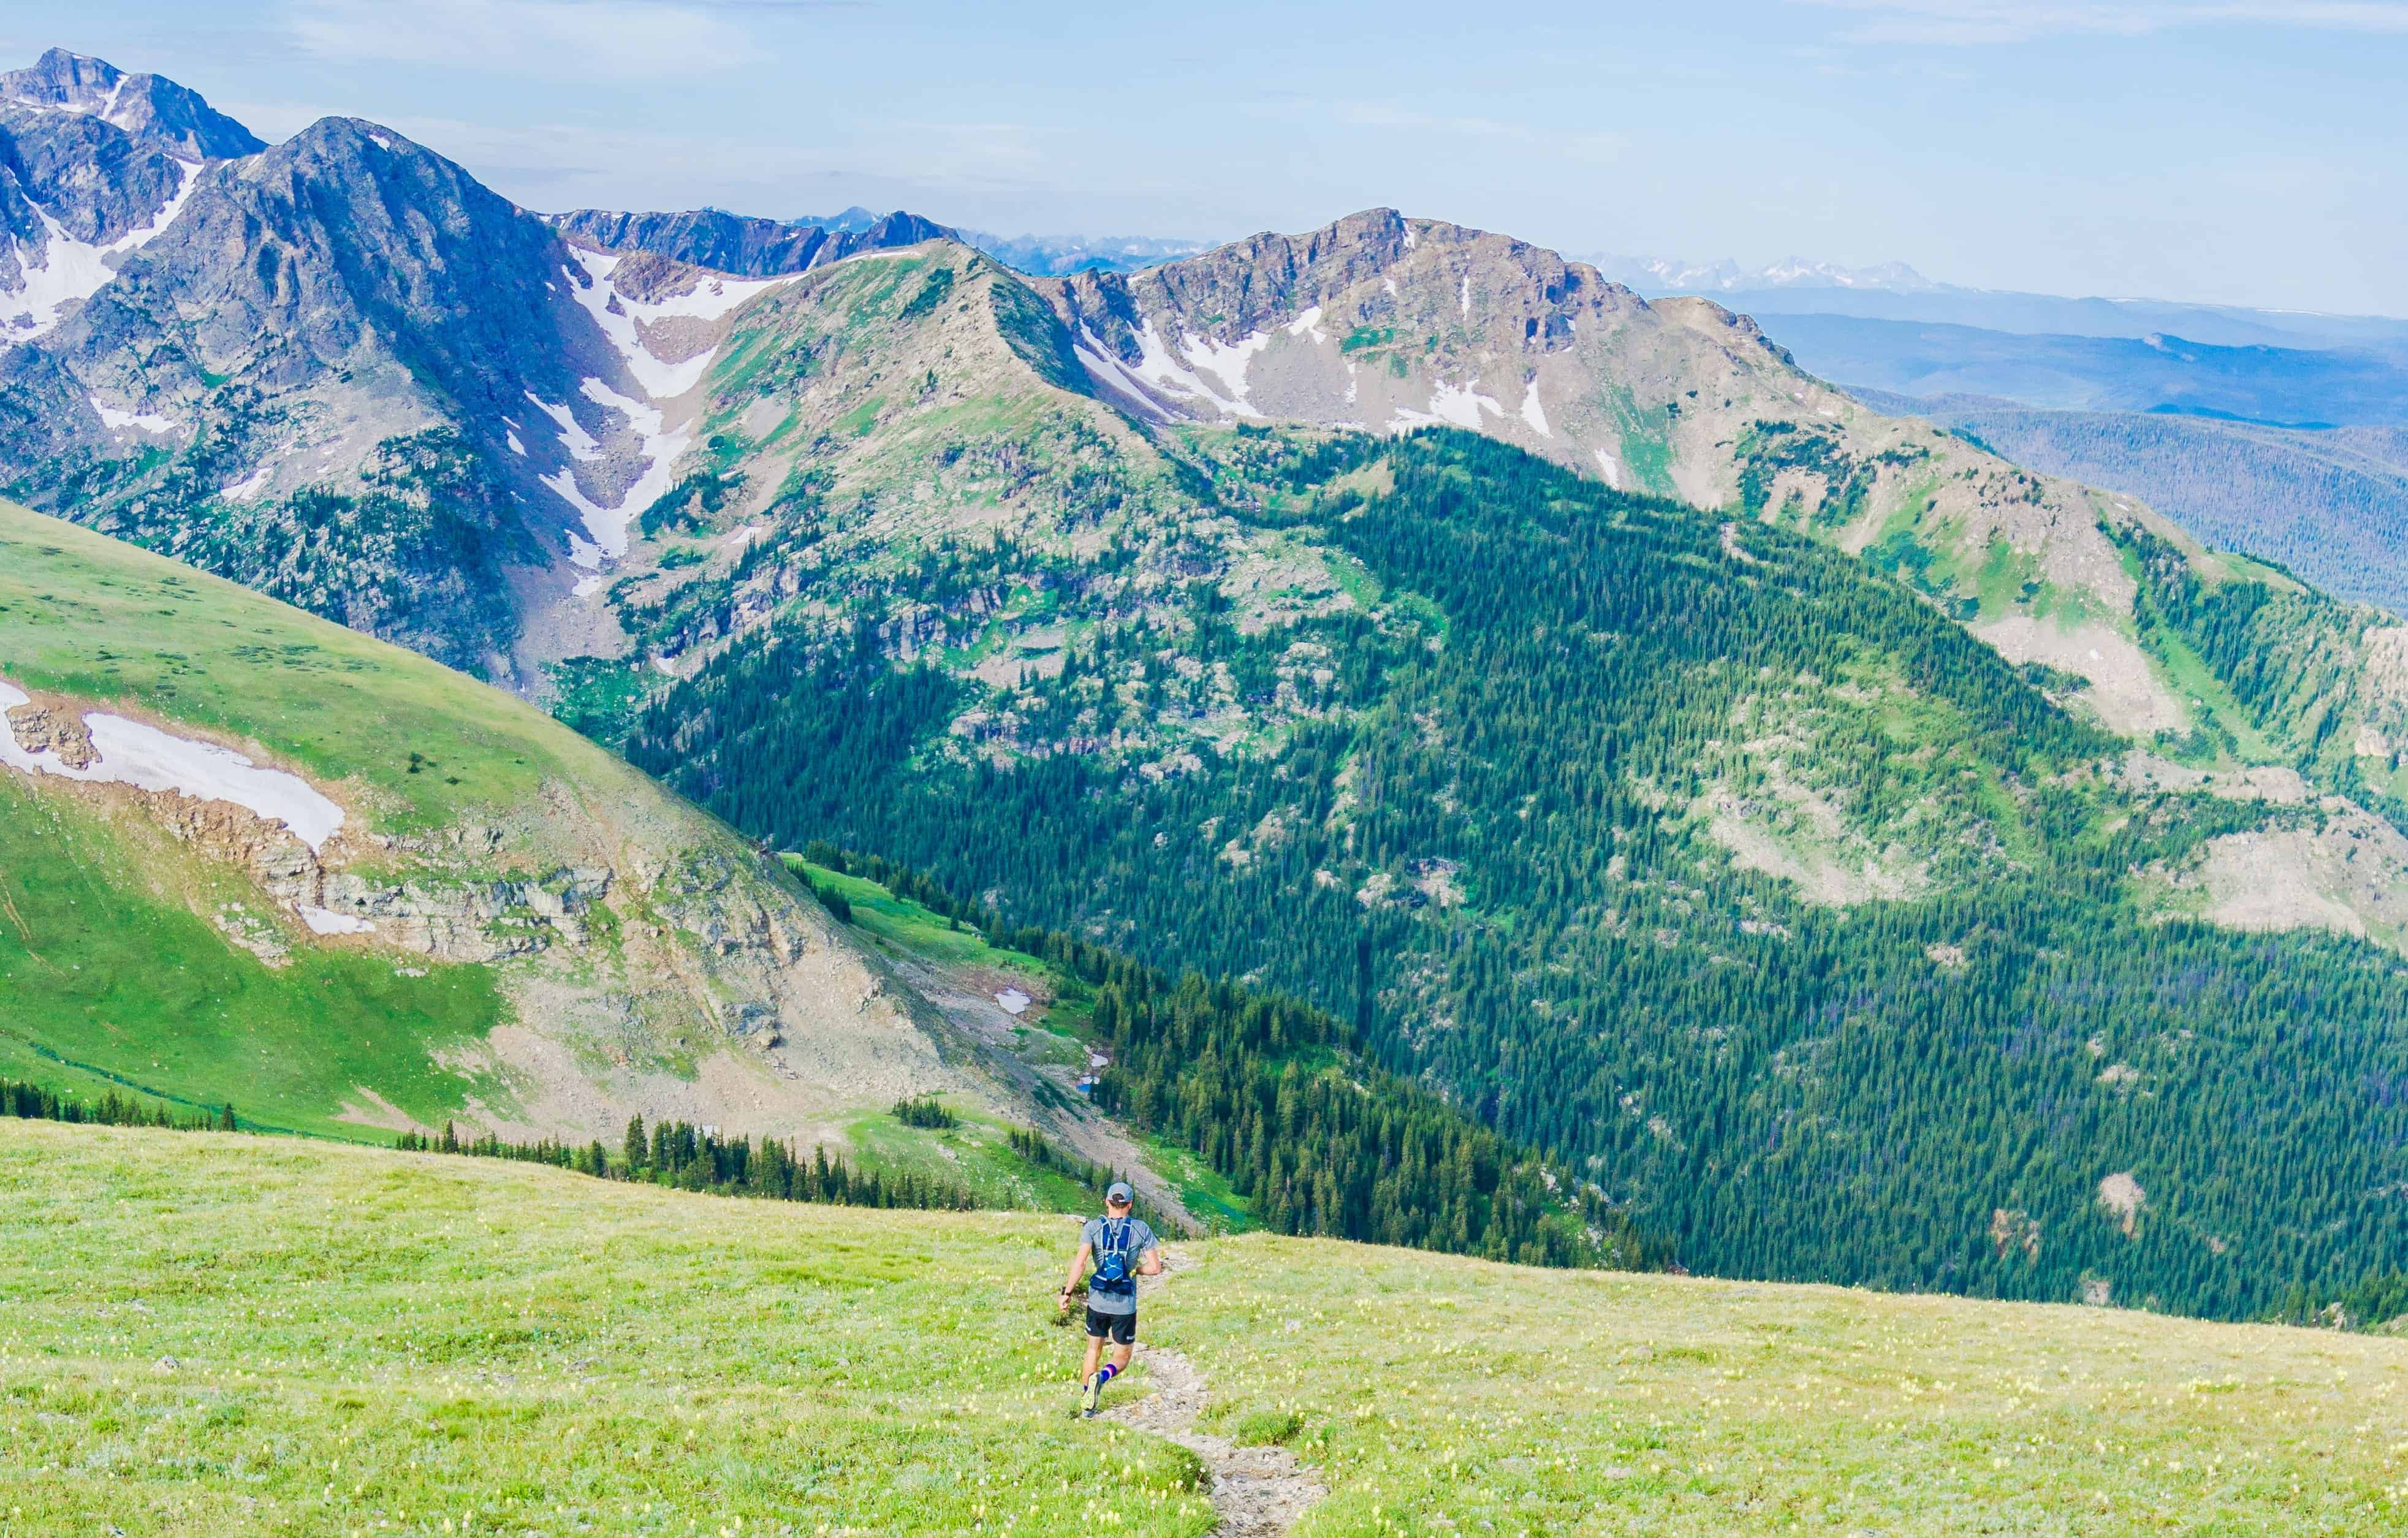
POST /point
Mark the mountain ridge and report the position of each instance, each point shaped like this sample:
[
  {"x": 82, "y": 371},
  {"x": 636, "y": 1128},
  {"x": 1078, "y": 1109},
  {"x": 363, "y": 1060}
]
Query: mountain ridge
[{"x": 746, "y": 247}]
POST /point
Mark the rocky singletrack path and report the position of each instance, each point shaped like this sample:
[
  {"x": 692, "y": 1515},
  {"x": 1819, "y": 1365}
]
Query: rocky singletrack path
[{"x": 1260, "y": 1492}]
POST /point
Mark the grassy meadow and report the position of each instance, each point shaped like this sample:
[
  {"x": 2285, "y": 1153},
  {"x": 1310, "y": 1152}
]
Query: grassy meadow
[{"x": 215, "y": 1333}]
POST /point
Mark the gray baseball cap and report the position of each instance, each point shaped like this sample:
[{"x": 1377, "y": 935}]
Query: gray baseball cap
[{"x": 1118, "y": 1193}]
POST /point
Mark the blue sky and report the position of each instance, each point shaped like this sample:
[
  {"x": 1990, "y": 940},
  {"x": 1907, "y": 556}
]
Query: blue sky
[{"x": 2242, "y": 152}]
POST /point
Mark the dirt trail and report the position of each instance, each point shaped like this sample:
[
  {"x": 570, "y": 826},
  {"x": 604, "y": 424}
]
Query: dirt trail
[{"x": 1260, "y": 1492}]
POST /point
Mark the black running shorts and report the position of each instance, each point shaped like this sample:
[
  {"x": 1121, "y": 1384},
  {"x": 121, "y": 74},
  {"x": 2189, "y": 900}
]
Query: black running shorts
[{"x": 1121, "y": 1329}]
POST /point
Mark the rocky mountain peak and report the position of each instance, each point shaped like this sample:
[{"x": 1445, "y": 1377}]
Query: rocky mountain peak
[{"x": 155, "y": 110}]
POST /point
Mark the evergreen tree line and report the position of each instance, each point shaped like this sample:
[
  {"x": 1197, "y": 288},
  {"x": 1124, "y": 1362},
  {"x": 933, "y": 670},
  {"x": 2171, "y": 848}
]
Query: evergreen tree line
[
  {"x": 1487, "y": 868},
  {"x": 927, "y": 1111},
  {"x": 35, "y": 1102},
  {"x": 683, "y": 1155},
  {"x": 2374, "y": 1300}
]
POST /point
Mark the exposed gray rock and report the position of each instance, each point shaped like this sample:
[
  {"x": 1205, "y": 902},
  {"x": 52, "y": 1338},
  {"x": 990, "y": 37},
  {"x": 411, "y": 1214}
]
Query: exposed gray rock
[{"x": 154, "y": 110}]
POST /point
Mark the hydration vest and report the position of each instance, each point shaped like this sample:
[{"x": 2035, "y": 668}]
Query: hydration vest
[{"x": 1115, "y": 1267}]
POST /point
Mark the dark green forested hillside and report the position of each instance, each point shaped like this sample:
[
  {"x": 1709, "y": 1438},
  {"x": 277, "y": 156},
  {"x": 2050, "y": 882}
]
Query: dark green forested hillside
[
  {"x": 1495, "y": 843},
  {"x": 1275, "y": 1095}
]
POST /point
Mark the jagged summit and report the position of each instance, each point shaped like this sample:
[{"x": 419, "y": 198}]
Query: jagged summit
[{"x": 154, "y": 109}]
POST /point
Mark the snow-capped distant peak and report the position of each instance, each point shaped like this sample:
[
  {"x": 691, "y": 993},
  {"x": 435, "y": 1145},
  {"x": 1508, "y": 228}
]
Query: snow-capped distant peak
[{"x": 1663, "y": 274}]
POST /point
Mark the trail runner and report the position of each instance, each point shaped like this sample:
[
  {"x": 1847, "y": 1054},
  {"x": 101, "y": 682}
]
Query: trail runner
[{"x": 1121, "y": 1249}]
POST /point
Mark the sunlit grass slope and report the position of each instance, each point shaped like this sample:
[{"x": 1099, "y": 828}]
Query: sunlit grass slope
[
  {"x": 114, "y": 973},
  {"x": 104, "y": 620},
  {"x": 109, "y": 979},
  {"x": 210, "y": 1333},
  {"x": 109, "y": 975}
]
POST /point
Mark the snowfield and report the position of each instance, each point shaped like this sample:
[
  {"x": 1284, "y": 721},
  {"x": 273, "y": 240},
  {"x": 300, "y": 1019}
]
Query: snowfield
[
  {"x": 327, "y": 921},
  {"x": 1534, "y": 413},
  {"x": 1460, "y": 404},
  {"x": 132, "y": 753},
  {"x": 116, "y": 421},
  {"x": 622, "y": 319},
  {"x": 1109, "y": 371},
  {"x": 249, "y": 486},
  {"x": 72, "y": 270}
]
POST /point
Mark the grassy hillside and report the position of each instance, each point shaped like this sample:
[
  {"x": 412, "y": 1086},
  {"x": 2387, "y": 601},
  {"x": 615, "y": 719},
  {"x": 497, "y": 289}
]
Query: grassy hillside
[
  {"x": 210, "y": 1333},
  {"x": 110, "y": 983},
  {"x": 89, "y": 616},
  {"x": 512, "y": 927}
]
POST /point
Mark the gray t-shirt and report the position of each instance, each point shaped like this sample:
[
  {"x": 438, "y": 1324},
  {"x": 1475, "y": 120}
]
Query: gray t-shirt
[{"x": 1140, "y": 1239}]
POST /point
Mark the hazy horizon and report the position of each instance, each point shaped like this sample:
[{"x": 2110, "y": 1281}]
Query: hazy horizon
[{"x": 2232, "y": 153}]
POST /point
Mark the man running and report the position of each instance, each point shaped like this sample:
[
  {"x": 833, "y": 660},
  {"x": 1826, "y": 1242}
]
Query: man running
[{"x": 1123, "y": 1248}]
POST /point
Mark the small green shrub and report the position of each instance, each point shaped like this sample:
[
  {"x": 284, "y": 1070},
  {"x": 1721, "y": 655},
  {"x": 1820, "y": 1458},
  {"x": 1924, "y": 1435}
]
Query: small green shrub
[{"x": 1268, "y": 1428}]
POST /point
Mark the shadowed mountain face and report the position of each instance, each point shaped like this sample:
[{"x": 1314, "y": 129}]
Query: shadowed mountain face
[
  {"x": 731, "y": 243},
  {"x": 306, "y": 380},
  {"x": 339, "y": 370}
]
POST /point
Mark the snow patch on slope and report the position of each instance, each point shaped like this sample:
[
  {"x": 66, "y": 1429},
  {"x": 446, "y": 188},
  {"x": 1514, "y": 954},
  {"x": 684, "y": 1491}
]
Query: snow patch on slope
[
  {"x": 327, "y": 921},
  {"x": 117, "y": 421},
  {"x": 1459, "y": 405},
  {"x": 578, "y": 442},
  {"x": 1159, "y": 367},
  {"x": 132, "y": 753},
  {"x": 1534, "y": 413},
  {"x": 622, "y": 318},
  {"x": 1610, "y": 468},
  {"x": 605, "y": 524},
  {"x": 72, "y": 270},
  {"x": 1230, "y": 361},
  {"x": 1109, "y": 371},
  {"x": 661, "y": 451},
  {"x": 249, "y": 486}
]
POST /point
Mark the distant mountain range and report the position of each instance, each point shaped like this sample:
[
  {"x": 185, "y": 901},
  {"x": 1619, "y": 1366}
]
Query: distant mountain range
[
  {"x": 2228, "y": 418},
  {"x": 1666, "y": 275}
]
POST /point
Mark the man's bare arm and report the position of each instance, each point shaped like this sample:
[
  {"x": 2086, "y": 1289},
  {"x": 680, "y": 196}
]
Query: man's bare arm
[
  {"x": 1150, "y": 1265},
  {"x": 1078, "y": 1268}
]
